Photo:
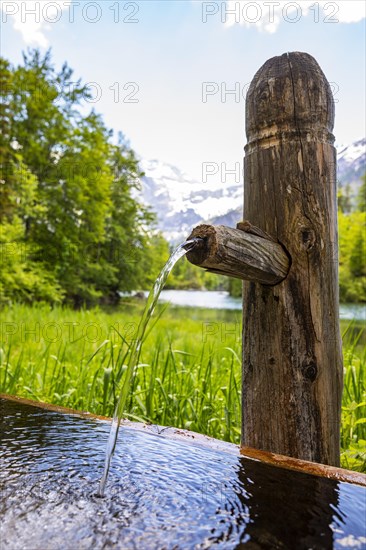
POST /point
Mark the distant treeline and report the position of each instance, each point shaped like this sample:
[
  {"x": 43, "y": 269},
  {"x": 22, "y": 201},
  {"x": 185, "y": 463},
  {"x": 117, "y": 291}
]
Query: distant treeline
[{"x": 352, "y": 248}]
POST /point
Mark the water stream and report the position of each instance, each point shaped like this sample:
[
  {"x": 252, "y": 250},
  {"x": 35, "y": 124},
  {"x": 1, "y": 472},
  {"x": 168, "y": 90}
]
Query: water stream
[{"x": 135, "y": 350}]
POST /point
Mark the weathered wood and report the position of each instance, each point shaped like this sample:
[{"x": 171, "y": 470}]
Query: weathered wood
[
  {"x": 292, "y": 361},
  {"x": 240, "y": 254},
  {"x": 250, "y": 228}
]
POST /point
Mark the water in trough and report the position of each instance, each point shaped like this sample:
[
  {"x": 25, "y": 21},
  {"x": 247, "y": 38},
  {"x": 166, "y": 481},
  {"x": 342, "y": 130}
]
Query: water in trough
[{"x": 162, "y": 493}]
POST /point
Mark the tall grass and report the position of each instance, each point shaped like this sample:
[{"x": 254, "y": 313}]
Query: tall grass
[
  {"x": 188, "y": 375},
  {"x": 353, "y": 426}
]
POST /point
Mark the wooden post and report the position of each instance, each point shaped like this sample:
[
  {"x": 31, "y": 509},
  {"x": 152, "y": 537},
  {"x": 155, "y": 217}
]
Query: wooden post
[
  {"x": 292, "y": 357},
  {"x": 292, "y": 361}
]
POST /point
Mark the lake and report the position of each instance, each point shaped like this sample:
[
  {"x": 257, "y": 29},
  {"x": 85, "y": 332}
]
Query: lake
[{"x": 214, "y": 299}]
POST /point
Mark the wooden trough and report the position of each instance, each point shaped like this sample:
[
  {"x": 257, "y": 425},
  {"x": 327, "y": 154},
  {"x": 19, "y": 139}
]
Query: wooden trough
[
  {"x": 322, "y": 470},
  {"x": 169, "y": 488}
]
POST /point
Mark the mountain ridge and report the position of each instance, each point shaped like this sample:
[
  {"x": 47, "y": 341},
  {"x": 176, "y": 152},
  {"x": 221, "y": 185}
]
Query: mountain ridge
[{"x": 181, "y": 203}]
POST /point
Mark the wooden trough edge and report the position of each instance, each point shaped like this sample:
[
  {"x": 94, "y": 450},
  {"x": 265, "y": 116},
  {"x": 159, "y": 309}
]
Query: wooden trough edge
[{"x": 279, "y": 461}]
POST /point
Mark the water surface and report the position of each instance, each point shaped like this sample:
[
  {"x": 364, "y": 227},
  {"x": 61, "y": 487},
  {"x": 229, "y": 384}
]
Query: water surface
[
  {"x": 162, "y": 493},
  {"x": 216, "y": 299}
]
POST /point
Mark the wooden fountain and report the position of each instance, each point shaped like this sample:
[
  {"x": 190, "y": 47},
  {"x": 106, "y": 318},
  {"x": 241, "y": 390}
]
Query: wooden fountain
[{"x": 285, "y": 250}]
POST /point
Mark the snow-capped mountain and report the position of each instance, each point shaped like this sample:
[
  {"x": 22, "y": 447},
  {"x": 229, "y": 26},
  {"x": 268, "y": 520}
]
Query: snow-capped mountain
[
  {"x": 181, "y": 202},
  {"x": 351, "y": 163}
]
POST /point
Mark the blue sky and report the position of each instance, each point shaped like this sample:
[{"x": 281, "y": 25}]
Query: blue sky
[{"x": 147, "y": 62}]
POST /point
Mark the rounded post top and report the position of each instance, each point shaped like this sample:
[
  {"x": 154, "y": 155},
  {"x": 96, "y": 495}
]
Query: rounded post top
[{"x": 289, "y": 93}]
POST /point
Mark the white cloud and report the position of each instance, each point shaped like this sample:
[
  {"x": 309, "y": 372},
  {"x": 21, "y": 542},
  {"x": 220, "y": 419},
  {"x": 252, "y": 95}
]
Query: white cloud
[
  {"x": 267, "y": 16},
  {"x": 32, "y": 18},
  {"x": 352, "y": 11}
]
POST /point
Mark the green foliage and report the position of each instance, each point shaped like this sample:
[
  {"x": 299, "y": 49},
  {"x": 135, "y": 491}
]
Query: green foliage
[
  {"x": 185, "y": 378},
  {"x": 188, "y": 276},
  {"x": 67, "y": 193},
  {"x": 361, "y": 198},
  {"x": 21, "y": 278},
  {"x": 235, "y": 287},
  {"x": 345, "y": 199},
  {"x": 352, "y": 245},
  {"x": 352, "y": 257}
]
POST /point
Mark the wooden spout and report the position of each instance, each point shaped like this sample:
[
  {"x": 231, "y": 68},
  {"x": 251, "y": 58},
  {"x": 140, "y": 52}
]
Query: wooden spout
[{"x": 239, "y": 253}]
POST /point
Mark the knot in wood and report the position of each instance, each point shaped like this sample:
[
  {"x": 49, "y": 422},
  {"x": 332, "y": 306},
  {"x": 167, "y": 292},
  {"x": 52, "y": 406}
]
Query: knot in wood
[
  {"x": 310, "y": 371},
  {"x": 307, "y": 237}
]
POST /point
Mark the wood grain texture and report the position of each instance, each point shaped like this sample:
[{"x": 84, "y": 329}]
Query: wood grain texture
[
  {"x": 292, "y": 361},
  {"x": 238, "y": 253}
]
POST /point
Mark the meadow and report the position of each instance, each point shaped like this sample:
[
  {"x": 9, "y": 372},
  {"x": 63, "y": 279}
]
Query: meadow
[{"x": 188, "y": 375}]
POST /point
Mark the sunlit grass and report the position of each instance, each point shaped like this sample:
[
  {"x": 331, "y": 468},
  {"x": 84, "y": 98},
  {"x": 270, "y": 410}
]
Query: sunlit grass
[
  {"x": 353, "y": 427},
  {"x": 188, "y": 375}
]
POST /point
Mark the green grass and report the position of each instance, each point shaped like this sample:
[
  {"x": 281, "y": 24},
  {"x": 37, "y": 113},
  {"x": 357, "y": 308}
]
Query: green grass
[
  {"x": 188, "y": 375},
  {"x": 353, "y": 426}
]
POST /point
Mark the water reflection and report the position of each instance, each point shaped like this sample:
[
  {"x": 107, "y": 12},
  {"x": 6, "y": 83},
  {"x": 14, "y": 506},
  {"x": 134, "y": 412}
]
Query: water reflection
[
  {"x": 162, "y": 493},
  {"x": 288, "y": 510}
]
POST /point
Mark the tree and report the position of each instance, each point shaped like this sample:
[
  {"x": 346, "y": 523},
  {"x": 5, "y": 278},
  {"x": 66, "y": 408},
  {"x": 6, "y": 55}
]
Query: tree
[
  {"x": 70, "y": 193},
  {"x": 352, "y": 257},
  {"x": 21, "y": 278},
  {"x": 344, "y": 199},
  {"x": 361, "y": 198},
  {"x": 130, "y": 225}
]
